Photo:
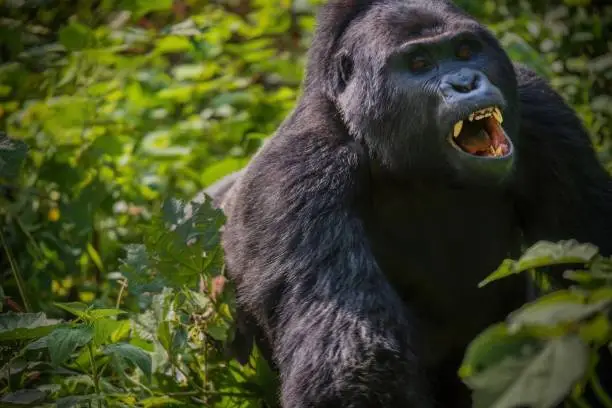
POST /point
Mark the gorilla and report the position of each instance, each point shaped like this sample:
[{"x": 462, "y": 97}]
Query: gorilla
[{"x": 418, "y": 157}]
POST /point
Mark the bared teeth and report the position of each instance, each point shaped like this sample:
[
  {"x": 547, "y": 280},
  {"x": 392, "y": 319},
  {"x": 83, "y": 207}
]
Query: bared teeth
[
  {"x": 498, "y": 116},
  {"x": 457, "y": 128},
  {"x": 486, "y": 113}
]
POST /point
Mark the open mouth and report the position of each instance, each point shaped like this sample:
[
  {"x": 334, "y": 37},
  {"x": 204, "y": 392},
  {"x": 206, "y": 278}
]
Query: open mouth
[{"x": 481, "y": 134}]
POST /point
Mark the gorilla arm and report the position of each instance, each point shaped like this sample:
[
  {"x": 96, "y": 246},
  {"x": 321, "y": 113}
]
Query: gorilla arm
[
  {"x": 564, "y": 190},
  {"x": 297, "y": 250}
]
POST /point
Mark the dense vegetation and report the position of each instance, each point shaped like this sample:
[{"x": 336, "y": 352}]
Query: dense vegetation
[{"x": 120, "y": 110}]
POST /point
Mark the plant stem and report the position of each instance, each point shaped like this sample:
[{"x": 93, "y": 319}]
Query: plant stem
[
  {"x": 94, "y": 372},
  {"x": 16, "y": 274},
  {"x": 600, "y": 392},
  {"x": 123, "y": 284}
]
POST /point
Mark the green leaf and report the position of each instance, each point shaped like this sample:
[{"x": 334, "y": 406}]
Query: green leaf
[
  {"x": 78, "y": 309},
  {"x": 100, "y": 313},
  {"x": 109, "y": 330},
  {"x": 561, "y": 307},
  {"x": 76, "y": 36},
  {"x": 23, "y": 326},
  {"x": 137, "y": 268},
  {"x": 24, "y": 397},
  {"x": 172, "y": 44},
  {"x": 162, "y": 401},
  {"x": 95, "y": 257},
  {"x": 536, "y": 379},
  {"x": 142, "y": 7},
  {"x": 164, "y": 335},
  {"x": 131, "y": 354},
  {"x": 545, "y": 253},
  {"x": 217, "y": 331},
  {"x": 494, "y": 345},
  {"x": 505, "y": 269},
  {"x": 63, "y": 341},
  {"x": 79, "y": 401},
  {"x": 12, "y": 154},
  {"x": 186, "y": 242}
]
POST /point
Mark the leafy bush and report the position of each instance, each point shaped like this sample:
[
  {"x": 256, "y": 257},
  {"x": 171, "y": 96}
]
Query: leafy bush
[
  {"x": 117, "y": 106},
  {"x": 549, "y": 347}
]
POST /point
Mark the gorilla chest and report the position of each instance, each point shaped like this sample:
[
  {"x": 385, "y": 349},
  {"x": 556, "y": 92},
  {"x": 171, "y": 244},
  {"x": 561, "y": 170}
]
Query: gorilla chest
[{"x": 435, "y": 246}]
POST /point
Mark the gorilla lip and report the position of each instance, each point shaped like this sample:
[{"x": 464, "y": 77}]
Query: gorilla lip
[{"x": 481, "y": 134}]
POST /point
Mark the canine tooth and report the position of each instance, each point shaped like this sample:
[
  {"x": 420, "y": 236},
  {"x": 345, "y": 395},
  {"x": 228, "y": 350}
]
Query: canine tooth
[
  {"x": 471, "y": 117},
  {"x": 498, "y": 116},
  {"x": 457, "y": 129},
  {"x": 498, "y": 151}
]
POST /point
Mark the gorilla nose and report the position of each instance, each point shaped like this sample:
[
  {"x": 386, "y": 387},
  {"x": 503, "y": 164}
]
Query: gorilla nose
[
  {"x": 468, "y": 84},
  {"x": 463, "y": 81}
]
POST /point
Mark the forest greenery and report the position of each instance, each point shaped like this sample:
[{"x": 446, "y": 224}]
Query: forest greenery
[{"x": 115, "y": 113}]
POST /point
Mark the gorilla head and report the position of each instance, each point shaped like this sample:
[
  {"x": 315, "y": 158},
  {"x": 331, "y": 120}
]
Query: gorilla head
[{"x": 427, "y": 89}]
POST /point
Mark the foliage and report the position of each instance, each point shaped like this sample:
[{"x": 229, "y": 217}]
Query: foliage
[
  {"x": 171, "y": 352},
  {"x": 547, "y": 349},
  {"x": 119, "y": 111}
]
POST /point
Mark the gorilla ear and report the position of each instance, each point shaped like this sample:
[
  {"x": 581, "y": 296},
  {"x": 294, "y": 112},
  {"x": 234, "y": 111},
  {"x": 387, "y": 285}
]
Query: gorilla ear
[{"x": 344, "y": 68}]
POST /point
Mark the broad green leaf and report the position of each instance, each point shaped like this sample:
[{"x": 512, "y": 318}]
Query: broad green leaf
[
  {"x": 76, "y": 36},
  {"x": 596, "y": 330},
  {"x": 188, "y": 71},
  {"x": 131, "y": 354},
  {"x": 545, "y": 253},
  {"x": 63, "y": 341},
  {"x": 109, "y": 330},
  {"x": 173, "y": 43},
  {"x": 78, "y": 309},
  {"x": 186, "y": 247},
  {"x": 602, "y": 294},
  {"x": 217, "y": 331},
  {"x": 554, "y": 309},
  {"x": 537, "y": 380},
  {"x": 494, "y": 345},
  {"x": 23, "y": 326},
  {"x": 24, "y": 397}
]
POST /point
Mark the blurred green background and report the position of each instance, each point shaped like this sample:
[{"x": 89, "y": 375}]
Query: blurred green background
[{"x": 124, "y": 103}]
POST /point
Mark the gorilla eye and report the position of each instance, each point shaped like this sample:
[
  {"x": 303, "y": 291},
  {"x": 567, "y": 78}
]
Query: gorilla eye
[
  {"x": 418, "y": 63},
  {"x": 466, "y": 50}
]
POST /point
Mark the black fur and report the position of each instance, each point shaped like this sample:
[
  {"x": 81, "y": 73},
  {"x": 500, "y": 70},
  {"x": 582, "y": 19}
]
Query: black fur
[{"x": 356, "y": 238}]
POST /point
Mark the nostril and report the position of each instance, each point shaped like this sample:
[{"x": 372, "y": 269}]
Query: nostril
[
  {"x": 465, "y": 83},
  {"x": 463, "y": 88}
]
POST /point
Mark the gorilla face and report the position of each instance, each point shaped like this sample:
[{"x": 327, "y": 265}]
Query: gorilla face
[{"x": 429, "y": 91}]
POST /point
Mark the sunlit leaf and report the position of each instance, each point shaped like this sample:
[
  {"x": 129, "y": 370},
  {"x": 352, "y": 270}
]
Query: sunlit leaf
[
  {"x": 562, "y": 307},
  {"x": 538, "y": 379},
  {"x": 76, "y": 36}
]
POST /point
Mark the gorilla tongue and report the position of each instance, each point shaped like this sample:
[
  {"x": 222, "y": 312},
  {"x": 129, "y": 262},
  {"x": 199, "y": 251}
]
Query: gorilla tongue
[{"x": 483, "y": 137}]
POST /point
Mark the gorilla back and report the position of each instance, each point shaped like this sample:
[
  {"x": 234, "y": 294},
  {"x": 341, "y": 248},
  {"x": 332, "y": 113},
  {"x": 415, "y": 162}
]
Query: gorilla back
[{"x": 416, "y": 160}]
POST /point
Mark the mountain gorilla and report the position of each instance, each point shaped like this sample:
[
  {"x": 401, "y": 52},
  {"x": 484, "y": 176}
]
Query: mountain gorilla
[{"x": 416, "y": 160}]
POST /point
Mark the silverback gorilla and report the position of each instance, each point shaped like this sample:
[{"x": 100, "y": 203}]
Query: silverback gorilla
[{"x": 417, "y": 159}]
